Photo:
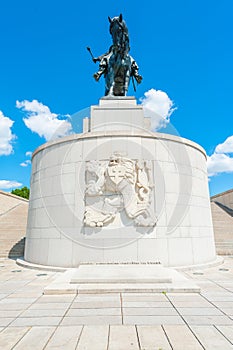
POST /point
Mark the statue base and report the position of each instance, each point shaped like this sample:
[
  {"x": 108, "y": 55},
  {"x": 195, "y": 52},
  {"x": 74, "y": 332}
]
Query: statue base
[{"x": 119, "y": 193}]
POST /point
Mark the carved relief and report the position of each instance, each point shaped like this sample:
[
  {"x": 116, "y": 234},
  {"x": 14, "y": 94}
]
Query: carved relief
[{"x": 115, "y": 185}]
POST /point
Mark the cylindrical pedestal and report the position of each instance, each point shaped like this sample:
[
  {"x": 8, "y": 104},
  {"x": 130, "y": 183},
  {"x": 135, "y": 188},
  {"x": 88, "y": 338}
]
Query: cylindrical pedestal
[{"x": 177, "y": 192}]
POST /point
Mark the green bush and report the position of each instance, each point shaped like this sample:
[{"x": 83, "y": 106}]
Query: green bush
[{"x": 22, "y": 192}]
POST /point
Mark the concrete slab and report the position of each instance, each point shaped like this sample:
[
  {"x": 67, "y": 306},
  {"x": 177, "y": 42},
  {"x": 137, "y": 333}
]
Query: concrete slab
[
  {"x": 208, "y": 320},
  {"x": 36, "y": 321},
  {"x": 94, "y": 312},
  {"x": 211, "y": 338},
  {"x": 36, "y": 338},
  {"x": 118, "y": 278},
  {"x": 91, "y": 320},
  {"x": 11, "y": 336},
  {"x": 121, "y": 274},
  {"x": 150, "y": 311},
  {"x": 199, "y": 311},
  {"x": 121, "y": 338},
  {"x": 152, "y": 337},
  {"x": 143, "y": 297},
  {"x": 98, "y": 333},
  {"x": 65, "y": 338},
  {"x": 227, "y": 331},
  {"x": 152, "y": 320},
  {"x": 181, "y": 338}
]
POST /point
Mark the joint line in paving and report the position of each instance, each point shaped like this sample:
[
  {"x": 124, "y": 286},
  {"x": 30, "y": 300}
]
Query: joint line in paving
[
  {"x": 222, "y": 334},
  {"x": 79, "y": 338},
  {"x": 186, "y": 322}
]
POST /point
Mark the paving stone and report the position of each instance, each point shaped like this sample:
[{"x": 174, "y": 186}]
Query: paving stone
[
  {"x": 198, "y": 304},
  {"x": 36, "y": 321},
  {"x": 31, "y": 295},
  {"x": 43, "y": 313},
  {"x": 227, "y": 331},
  {"x": 185, "y": 296},
  {"x": 211, "y": 338},
  {"x": 181, "y": 338},
  {"x": 48, "y": 306},
  {"x": 95, "y": 312},
  {"x": 65, "y": 338},
  {"x": 149, "y": 320},
  {"x": 213, "y": 298},
  {"x": 122, "y": 338},
  {"x": 13, "y": 307},
  {"x": 17, "y": 300},
  {"x": 56, "y": 299},
  {"x": 94, "y": 338},
  {"x": 35, "y": 339},
  {"x": 4, "y": 322},
  {"x": 223, "y": 304},
  {"x": 143, "y": 297},
  {"x": 95, "y": 304},
  {"x": 199, "y": 311},
  {"x": 149, "y": 304},
  {"x": 149, "y": 311},
  {"x": 208, "y": 320},
  {"x": 10, "y": 336},
  {"x": 98, "y": 297},
  {"x": 152, "y": 337},
  {"x": 227, "y": 311},
  {"x": 10, "y": 313},
  {"x": 91, "y": 320},
  {"x": 2, "y": 296}
]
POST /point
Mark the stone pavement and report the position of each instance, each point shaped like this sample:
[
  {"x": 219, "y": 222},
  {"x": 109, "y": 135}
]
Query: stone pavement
[{"x": 120, "y": 321}]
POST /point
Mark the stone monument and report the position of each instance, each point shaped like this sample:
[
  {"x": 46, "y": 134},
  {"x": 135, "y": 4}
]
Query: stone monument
[{"x": 118, "y": 192}]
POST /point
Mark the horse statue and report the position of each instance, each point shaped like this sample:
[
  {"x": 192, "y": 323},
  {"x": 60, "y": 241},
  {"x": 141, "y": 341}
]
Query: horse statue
[{"x": 117, "y": 65}]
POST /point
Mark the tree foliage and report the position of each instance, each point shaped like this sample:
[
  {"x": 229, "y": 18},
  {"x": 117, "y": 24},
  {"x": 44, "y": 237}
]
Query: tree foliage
[{"x": 22, "y": 192}]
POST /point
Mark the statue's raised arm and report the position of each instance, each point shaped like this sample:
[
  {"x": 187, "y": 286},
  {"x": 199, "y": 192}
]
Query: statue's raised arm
[{"x": 117, "y": 65}]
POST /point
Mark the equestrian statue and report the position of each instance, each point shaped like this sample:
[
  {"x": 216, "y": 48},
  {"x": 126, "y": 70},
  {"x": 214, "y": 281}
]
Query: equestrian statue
[{"x": 117, "y": 66}]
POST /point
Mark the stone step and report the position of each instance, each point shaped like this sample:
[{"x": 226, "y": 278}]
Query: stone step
[
  {"x": 223, "y": 230},
  {"x": 121, "y": 279}
]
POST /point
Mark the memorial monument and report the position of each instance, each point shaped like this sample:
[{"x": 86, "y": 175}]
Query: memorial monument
[{"x": 119, "y": 192}]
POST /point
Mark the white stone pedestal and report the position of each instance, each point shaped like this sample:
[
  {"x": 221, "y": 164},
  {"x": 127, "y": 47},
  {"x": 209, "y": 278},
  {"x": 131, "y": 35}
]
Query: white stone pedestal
[{"x": 119, "y": 193}]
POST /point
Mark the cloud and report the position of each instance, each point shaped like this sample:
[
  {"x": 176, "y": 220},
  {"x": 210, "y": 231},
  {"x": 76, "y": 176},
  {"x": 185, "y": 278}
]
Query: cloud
[
  {"x": 158, "y": 106},
  {"x": 26, "y": 163},
  {"x": 6, "y": 136},
  {"x": 28, "y": 154},
  {"x": 41, "y": 120},
  {"x": 226, "y": 146},
  {"x": 221, "y": 161},
  {"x": 8, "y": 184}
]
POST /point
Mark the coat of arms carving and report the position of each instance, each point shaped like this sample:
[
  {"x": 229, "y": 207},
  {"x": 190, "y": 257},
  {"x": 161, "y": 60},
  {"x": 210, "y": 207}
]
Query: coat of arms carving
[{"x": 117, "y": 184}]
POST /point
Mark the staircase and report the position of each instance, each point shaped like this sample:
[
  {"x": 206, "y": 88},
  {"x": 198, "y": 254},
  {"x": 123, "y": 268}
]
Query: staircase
[
  {"x": 223, "y": 229},
  {"x": 13, "y": 222}
]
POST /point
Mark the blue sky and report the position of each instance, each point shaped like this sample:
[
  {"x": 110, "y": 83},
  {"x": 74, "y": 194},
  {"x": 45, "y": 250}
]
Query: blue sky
[{"x": 183, "y": 48}]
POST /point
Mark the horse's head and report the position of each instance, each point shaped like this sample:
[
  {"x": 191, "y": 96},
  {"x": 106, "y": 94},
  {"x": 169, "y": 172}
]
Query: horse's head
[{"x": 118, "y": 30}]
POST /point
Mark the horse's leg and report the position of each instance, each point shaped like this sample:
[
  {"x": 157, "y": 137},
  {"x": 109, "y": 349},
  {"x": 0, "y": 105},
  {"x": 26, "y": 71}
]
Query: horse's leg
[
  {"x": 127, "y": 75},
  {"x": 109, "y": 80}
]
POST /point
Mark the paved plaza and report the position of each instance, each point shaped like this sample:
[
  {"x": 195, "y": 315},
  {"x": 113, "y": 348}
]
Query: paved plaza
[{"x": 118, "y": 321}]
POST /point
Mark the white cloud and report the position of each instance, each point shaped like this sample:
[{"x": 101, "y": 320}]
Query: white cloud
[
  {"x": 8, "y": 184},
  {"x": 220, "y": 161},
  {"x": 26, "y": 163},
  {"x": 158, "y": 106},
  {"x": 226, "y": 146},
  {"x": 42, "y": 121},
  {"x": 28, "y": 154},
  {"x": 6, "y": 136}
]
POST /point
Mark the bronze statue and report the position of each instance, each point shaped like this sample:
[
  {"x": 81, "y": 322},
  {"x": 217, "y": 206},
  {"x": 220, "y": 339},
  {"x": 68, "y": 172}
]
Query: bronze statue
[{"x": 117, "y": 65}]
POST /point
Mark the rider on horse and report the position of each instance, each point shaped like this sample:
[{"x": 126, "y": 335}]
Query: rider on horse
[{"x": 117, "y": 65}]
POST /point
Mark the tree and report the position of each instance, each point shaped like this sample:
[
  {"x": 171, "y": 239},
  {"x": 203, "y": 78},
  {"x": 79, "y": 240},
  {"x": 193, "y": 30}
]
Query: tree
[{"x": 22, "y": 192}]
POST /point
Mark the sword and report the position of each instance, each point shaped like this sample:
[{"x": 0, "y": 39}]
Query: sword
[
  {"x": 93, "y": 58},
  {"x": 134, "y": 87}
]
